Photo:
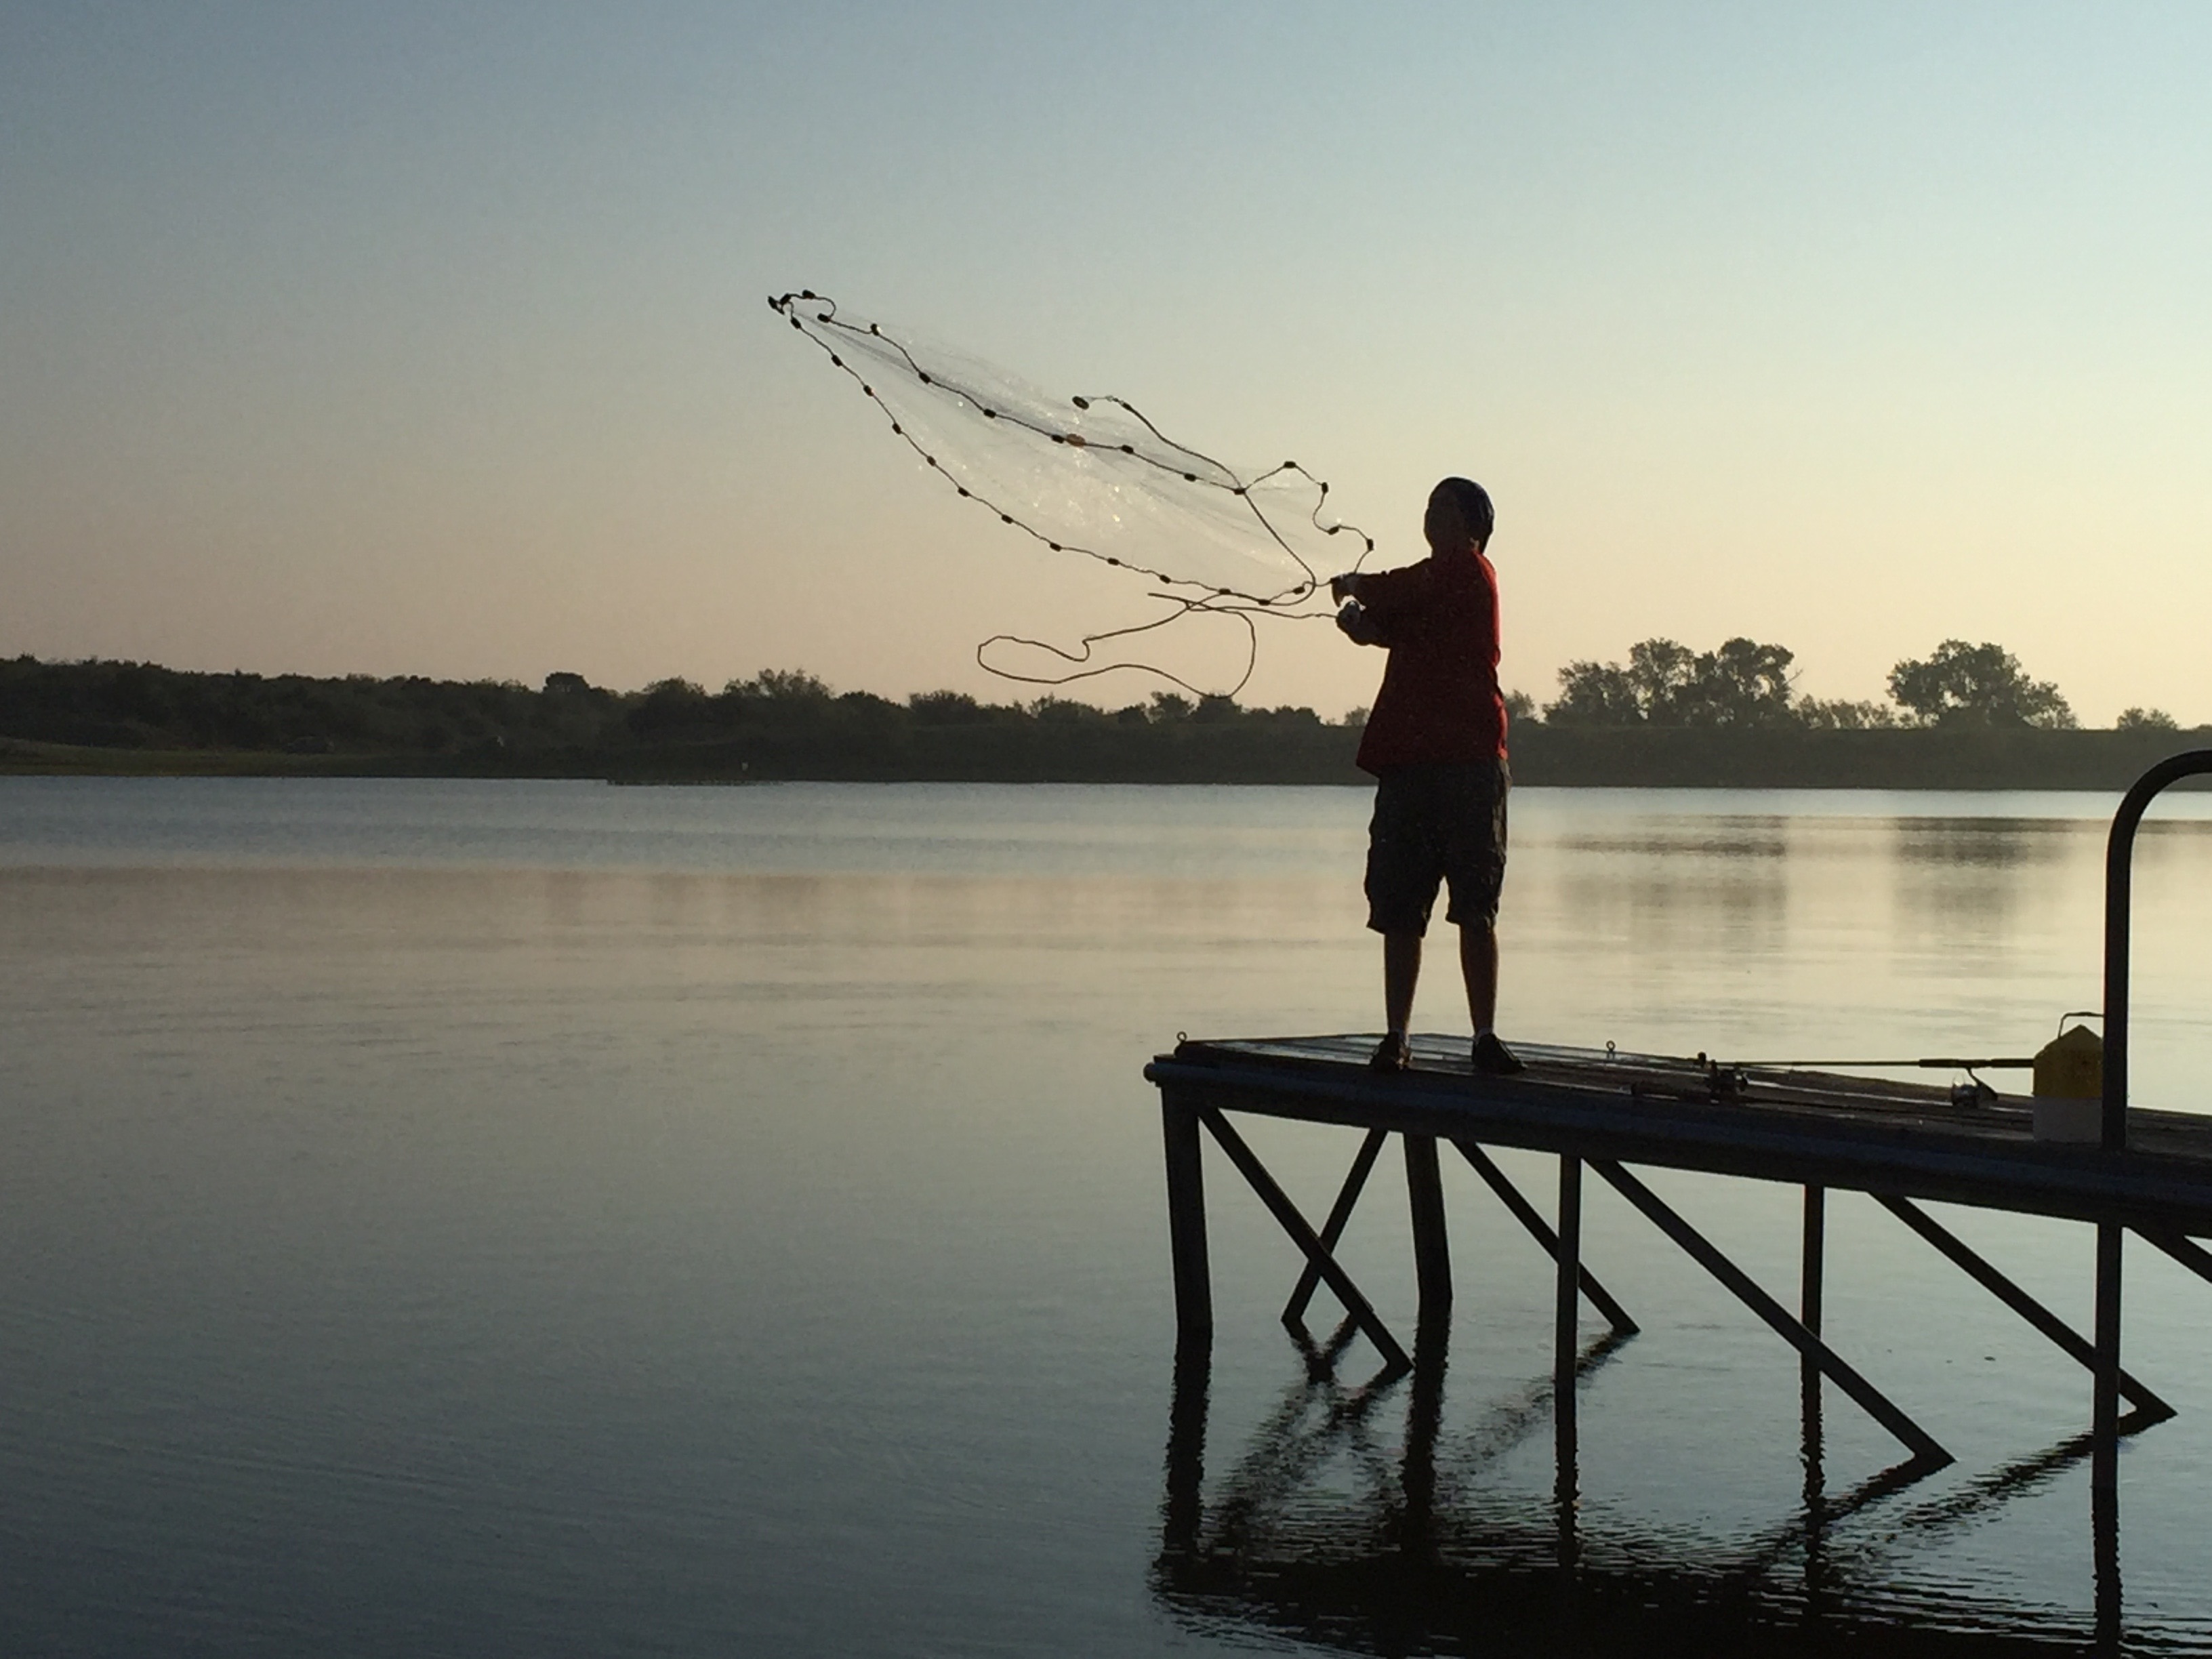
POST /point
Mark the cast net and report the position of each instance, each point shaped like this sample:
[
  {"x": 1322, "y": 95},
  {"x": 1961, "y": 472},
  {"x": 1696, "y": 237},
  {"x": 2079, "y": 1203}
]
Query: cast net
[{"x": 1091, "y": 477}]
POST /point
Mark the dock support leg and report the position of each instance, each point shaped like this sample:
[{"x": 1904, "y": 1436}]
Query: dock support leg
[
  {"x": 1525, "y": 1212},
  {"x": 1810, "y": 1284},
  {"x": 1339, "y": 1214},
  {"x": 1567, "y": 1305},
  {"x": 2149, "y": 1408},
  {"x": 1812, "y": 1275},
  {"x": 2104, "y": 1423},
  {"x": 1194, "y": 1287},
  {"x": 1567, "y": 1294},
  {"x": 1925, "y": 1448},
  {"x": 1424, "y": 1188},
  {"x": 1395, "y": 1359},
  {"x": 2187, "y": 1251}
]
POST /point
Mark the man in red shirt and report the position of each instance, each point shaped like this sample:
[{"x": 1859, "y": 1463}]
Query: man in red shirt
[{"x": 1436, "y": 744}]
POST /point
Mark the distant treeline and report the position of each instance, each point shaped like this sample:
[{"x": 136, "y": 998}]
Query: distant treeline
[
  {"x": 131, "y": 717},
  {"x": 1744, "y": 683}
]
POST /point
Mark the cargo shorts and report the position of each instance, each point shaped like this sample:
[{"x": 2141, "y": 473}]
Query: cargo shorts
[{"x": 1436, "y": 822}]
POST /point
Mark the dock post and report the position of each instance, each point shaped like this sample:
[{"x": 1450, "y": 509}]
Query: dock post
[
  {"x": 1816, "y": 1235},
  {"x": 1811, "y": 1289},
  {"x": 1568, "y": 1296},
  {"x": 1424, "y": 1188},
  {"x": 2105, "y": 1429},
  {"x": 1194, "y": 1288},
  {"x": 1568, "y": 1305}
]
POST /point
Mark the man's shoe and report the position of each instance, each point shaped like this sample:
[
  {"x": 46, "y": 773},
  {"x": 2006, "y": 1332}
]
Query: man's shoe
[
  {"x": 1494, "y": 1058},
  {"x": 1393, "y": 1054}
]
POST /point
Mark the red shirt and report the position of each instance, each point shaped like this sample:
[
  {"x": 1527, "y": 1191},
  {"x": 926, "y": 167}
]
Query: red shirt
[{"x": 1439, "y": 700}]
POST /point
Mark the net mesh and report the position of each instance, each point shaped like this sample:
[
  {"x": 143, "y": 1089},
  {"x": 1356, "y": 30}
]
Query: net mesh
[{"x": 1092, "y": 477}]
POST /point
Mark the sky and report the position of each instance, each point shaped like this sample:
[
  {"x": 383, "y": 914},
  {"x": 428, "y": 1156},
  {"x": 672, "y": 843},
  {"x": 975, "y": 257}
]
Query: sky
[{"x": 422, "y": 338}]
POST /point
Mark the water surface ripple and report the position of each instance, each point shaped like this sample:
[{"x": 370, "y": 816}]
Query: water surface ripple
[{"x": 485, "y": 1218}]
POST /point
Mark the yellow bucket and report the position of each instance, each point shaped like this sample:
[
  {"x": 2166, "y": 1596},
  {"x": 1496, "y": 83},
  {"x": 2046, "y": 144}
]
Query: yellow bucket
[{"x": 2069, "y": 1086}]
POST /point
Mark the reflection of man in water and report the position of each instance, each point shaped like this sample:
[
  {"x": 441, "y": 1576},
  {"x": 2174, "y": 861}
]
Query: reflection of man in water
[{"x": 1436, "y": 744}]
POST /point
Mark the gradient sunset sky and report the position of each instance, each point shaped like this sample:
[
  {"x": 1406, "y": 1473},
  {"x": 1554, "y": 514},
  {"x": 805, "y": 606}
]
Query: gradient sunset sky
[{"x": 428, "y": 339}]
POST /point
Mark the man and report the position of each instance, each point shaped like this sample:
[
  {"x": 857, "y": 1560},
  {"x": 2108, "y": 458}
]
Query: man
[{"x": 1436, "y": 744}]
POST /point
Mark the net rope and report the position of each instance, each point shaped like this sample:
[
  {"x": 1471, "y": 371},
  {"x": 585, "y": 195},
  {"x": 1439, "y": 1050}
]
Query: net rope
[{"x": 1094, "y": 476}]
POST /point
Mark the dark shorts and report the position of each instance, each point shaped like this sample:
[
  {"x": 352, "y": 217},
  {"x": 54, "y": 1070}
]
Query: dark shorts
[{"x": 1436, "y": 822}]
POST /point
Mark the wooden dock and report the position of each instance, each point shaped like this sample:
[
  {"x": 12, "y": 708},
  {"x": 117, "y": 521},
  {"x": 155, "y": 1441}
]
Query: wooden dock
[
  {"x": 1900, "y": 1142},
  {"x": 1820, "y": 1128}
]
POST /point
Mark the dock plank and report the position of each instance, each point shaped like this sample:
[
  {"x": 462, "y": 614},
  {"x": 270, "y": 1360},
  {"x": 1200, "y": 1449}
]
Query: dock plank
[{"x": 1876, "y": 1134}]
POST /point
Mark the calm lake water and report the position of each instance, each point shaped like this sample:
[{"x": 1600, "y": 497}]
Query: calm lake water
[{"x": 488, "y": 1219}]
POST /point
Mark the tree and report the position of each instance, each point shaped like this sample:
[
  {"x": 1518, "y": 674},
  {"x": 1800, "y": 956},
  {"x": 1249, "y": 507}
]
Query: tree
[
  {"x": 1743, "y": 683},
  {"x": 1167, "y": 706},
  {"x": 947, "y": 708},
  {"x": 1661, "y": 673},
  {"x": 1520, "y": 708},
  {"x": 781, "y": 685},
  {"x": 670, "y": 705},
  {"x": 1840, "y": 715},
  {"x": 1595, "y": 694},
  {"x": 2146, "y": 719},
  {"x": 1983, "y": 685}
]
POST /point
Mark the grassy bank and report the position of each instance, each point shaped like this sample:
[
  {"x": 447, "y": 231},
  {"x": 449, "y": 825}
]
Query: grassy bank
[
  {"x": 2106, "y": 761},
  {"x": 135, "y": 720}
]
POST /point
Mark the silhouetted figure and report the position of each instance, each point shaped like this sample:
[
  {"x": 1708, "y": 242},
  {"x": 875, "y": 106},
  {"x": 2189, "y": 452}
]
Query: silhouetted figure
[{"x": 1436, "y": 743}]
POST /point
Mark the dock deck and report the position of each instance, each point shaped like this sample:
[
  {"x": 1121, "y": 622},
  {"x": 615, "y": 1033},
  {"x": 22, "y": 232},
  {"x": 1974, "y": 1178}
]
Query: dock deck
[
  {"x": 1604, "y": 1110},
  {"x": 1805, "y": 1127}
]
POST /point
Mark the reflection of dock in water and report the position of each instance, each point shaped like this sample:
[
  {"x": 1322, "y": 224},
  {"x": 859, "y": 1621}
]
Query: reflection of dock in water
[{"x": 1421, "y": 1556}]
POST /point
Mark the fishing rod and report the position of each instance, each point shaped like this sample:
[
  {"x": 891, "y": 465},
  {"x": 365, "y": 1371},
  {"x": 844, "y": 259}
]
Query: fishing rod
[
  {"x": 1942, "y": 1063},
  {"x": 1728, "y": 1078},
  {"x": 1938, "y": 1064}
]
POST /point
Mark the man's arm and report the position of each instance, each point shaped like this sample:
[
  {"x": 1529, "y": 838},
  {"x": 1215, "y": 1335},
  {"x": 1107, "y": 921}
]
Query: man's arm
[
  {"x": 1378, "y": 599},
  {"x": 1358, "y": 626}
]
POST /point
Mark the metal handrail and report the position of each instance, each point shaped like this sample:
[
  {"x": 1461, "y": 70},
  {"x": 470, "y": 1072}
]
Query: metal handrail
[{"x": 2119, "y": 856}]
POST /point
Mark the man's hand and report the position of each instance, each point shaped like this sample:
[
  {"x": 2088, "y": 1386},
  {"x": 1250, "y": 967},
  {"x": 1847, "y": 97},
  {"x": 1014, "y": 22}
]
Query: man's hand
[
  {"x": 1357, "y": 625},
  {"x": 1344, "y": 587}
]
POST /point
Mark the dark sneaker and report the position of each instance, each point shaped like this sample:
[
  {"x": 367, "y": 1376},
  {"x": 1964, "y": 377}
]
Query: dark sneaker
[
  {"x": 1494, "y": 1057},
  {"x": 1393, "y": 1054}
]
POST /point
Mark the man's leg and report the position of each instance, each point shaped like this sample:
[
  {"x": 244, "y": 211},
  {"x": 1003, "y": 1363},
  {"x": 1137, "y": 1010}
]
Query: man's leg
[
  {"x": 1402, "y": 873},
  {"x": 1401, "y": 971},
  {"x": 1478, "y": 965}
]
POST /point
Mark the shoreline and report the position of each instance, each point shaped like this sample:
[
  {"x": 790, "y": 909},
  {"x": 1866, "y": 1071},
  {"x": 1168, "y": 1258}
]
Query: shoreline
[{"x": 1667, "y": 757}]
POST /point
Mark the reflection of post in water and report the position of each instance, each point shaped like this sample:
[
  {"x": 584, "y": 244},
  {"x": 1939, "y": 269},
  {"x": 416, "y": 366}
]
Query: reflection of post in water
[
  {"x": 2104, "y": 1530},
  {"x": 1184, "y": 1509},
  {"x": 1423, "y": 1419},
  {"x": 1810, "y": 1290},
  {"x": 1387, "y": 1561},
  {"x": 1565, "y": 1354},
  {"x": 1406, "y": 1559},
  {"x": 2104, "y": 1457}
]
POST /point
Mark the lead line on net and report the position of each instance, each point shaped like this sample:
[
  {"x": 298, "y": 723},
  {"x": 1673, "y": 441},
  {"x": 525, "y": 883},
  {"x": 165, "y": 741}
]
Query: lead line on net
[{"x": 1214, "y": 600}]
